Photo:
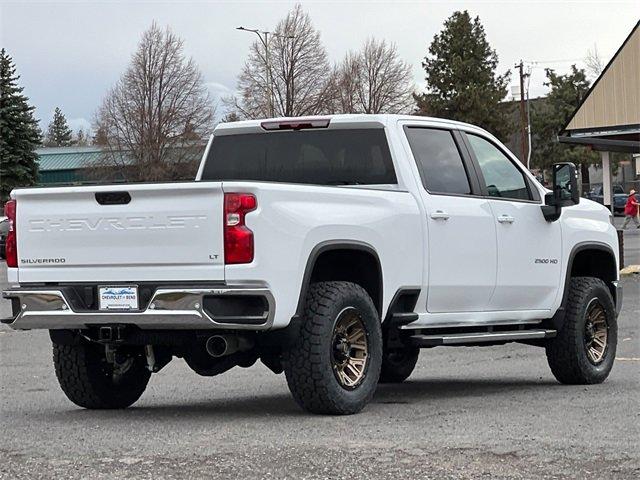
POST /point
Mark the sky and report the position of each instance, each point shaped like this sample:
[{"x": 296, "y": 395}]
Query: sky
[{"x": 70, "y": 53}]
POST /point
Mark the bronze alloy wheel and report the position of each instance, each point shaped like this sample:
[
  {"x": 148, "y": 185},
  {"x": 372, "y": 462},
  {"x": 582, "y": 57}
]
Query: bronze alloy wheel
[
  {"x": 595, "y": 331},
  {"x": 349, "y": 349},
  {"x": 334, "y": 363},
  {"x": 584, "y": 348}
]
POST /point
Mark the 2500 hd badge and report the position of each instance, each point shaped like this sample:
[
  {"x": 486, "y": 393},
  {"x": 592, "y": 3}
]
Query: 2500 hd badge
[{"x": 552, "y": 261}]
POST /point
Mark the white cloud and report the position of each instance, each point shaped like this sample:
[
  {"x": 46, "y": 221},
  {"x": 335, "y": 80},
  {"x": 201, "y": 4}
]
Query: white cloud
[
  {"x": 218, "y": 88},
  {"x": 79, "y": 123},
  {"x": 219, "y": 92},
  {"x": 81, "y": 57}
]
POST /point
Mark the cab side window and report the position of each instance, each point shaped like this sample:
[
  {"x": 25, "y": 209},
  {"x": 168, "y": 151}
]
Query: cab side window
[
  {"x": 439, "y": 161},
  {"x": 502, "y": 178}
]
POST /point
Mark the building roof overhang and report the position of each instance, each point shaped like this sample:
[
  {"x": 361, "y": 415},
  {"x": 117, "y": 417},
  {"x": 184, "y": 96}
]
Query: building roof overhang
[
  {"x": 608, "y": 117},
  {"x": 614, "y": 139}
]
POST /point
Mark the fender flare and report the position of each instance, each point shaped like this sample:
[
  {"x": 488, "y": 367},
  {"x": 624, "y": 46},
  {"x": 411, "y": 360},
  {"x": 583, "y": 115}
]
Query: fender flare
[
  {"x": 558, "y": 318},
  {"x": 329, "y": 245}
]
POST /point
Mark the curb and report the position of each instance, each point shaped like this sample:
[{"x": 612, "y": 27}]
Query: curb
[{"x": 630, "y": 270}]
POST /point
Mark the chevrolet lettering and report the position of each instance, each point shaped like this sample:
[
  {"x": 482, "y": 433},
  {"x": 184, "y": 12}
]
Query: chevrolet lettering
[{"x": 116, "y": 223}]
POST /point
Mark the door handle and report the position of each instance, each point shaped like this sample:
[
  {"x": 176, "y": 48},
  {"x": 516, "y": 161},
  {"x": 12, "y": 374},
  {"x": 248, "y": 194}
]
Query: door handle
[
  {"x": 506, "y": 219},
  {"x": 440, "y": 215}
]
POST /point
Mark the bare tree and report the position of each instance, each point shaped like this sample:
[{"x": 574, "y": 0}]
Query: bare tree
[
  {"x": 374, "y": 80},
  {"x": 99, "y": 137},
  {"x": 152, "y": 122},
  {"x": 593, "y": 62},
  {"x": 345, "y": 84},
  {"x": 298, "y": 75},
  {"x": 230, "y": 116}
]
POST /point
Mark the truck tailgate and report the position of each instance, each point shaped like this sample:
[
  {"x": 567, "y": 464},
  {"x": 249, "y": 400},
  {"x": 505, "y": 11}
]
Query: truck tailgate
[{"x": 121, "y": 233}]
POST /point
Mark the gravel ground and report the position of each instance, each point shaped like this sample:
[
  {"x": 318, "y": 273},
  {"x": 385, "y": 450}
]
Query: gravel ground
[{"x": 492, "y": 412}]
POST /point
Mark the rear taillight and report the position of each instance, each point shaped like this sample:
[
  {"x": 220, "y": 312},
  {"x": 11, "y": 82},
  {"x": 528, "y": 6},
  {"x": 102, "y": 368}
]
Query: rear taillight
[
  {"x": 11, "y": 245},
  {"x": 238, "y": 238}
]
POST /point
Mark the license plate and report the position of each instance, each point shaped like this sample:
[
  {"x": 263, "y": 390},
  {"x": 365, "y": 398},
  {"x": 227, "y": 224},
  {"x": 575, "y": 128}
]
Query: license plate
[{"x": 118, "y": 298}]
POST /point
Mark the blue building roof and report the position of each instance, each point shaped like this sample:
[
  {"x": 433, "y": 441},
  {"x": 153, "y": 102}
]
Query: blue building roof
[
  {"x": 78, "y": 158},
  {"x": 74, "y": 165},
  {"x": 67, "y": 158}
]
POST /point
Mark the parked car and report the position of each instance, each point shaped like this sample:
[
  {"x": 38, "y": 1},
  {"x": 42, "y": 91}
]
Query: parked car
[
  {"x": 619, "y": 197},
  {"x": 330, "y": 248},
  {"x": 4, "y": 230}
]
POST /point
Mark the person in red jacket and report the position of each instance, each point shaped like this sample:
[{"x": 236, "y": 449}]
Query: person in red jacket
[{"x": 631, "y": 210}]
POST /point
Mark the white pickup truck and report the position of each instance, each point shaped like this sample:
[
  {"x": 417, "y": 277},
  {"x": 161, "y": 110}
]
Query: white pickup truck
[{"x": 330, "y": 248}]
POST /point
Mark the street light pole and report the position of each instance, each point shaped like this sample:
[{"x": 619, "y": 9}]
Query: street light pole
[
  {"x": 264, "y": 39},
  {"x": 269, "y": 78}
]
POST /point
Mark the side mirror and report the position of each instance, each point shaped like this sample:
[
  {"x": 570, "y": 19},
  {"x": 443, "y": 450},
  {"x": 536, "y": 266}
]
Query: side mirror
[
  {"x": 565, "y": 190},
  {"x": 565, "y": 184}
]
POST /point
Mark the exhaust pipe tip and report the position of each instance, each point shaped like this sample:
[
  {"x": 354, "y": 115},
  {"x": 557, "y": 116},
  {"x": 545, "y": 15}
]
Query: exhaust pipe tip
[
  {"x": 217, "y": 346},
  {"x": 225, "y": 344}
]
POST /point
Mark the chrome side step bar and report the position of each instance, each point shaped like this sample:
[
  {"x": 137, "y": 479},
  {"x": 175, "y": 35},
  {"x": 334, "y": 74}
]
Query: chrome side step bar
[
  {"x": 479, "y": 337},
  {"x": 502, "y": 323}
]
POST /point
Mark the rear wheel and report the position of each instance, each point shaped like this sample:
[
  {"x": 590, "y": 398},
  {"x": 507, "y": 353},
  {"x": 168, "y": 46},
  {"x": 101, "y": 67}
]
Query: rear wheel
[
  {"x": 398, "y": 364},
  {"x": 334, "y": 365},
  {"x": 585, "y": 347},
  {"x": 90, "y": 380}
]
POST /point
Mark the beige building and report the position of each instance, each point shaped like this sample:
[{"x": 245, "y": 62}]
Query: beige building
[{"x": 608, "y": 119}]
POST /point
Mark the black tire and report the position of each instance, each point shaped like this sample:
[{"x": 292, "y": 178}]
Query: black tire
[
  {"x": 398, "y": 364},
  {"x": 309, "y": 362},
  {"x": 87, "y": 378},
  {"x": 567, "y": 352}
]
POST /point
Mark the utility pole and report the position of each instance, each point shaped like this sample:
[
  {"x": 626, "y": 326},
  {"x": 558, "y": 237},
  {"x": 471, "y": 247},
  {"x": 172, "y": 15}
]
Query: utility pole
[
  {"x": 264, "y": 39},
  {"x": 524, "y": 138}
]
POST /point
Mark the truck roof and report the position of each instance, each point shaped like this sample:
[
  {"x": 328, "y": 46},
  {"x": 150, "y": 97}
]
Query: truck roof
[{"x": 360, "y": 119}]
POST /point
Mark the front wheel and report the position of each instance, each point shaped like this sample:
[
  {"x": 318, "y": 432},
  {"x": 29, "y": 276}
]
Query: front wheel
[
  {"x": 334, "y": 365},
  {"x": 585, "y": 347},
  {"x": 89, "y": 380}
]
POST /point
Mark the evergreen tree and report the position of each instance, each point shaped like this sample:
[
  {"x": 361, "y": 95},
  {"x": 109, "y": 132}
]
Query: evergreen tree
[
  {"x": 59, "y": 134},
  {"x": 19, "y": 132},
  {"x": 461, "y": 78},
  {"x": 82, "y": 138},
  {"x": 550, "y": 116}
]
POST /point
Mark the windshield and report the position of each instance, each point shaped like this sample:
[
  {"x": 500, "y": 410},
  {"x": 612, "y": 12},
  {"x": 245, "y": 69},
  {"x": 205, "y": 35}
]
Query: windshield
[{"x": 317, "y": 157}]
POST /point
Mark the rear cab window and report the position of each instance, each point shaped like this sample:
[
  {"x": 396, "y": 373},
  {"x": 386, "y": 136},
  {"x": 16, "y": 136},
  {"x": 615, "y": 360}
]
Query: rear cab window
[
  {"x": 439, "y": 160},
  {"x": 314, "y": 157}
]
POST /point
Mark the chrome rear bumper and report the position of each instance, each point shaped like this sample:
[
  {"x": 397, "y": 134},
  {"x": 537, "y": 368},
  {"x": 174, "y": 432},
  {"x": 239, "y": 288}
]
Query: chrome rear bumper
[{"x": 169, "y": 308}]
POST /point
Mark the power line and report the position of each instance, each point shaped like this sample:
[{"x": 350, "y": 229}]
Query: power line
[
  {"x": 542, "y": 63},
  {"x": 562, "y": 60}
]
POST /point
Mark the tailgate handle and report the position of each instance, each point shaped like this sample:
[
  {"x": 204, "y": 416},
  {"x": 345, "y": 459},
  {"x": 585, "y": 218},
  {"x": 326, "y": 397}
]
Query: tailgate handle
[{"x": 113, "y": 198}]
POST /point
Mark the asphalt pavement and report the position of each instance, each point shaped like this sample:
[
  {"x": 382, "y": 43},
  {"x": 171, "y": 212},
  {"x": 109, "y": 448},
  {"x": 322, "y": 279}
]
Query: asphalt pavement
[{"x": 494, "y": 412}]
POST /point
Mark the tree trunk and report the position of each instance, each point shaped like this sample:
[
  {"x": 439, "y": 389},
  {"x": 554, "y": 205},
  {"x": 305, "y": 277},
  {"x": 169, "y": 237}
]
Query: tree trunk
[{"x": 584, "y": 173}]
